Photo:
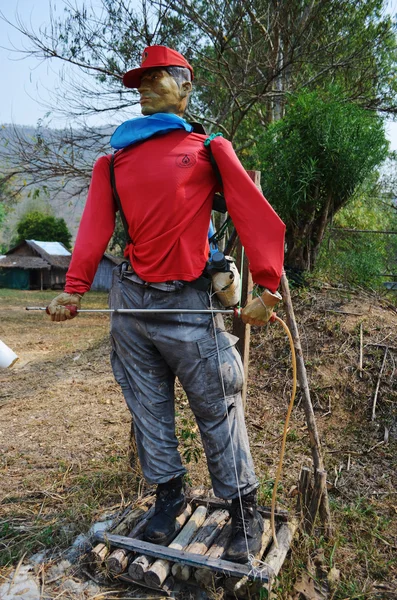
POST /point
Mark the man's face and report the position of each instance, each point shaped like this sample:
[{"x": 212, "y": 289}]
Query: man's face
[{"x": 159, "y": 92}]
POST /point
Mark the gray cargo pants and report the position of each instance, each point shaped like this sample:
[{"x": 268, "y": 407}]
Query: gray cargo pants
[{"x": 149, "y": 351}]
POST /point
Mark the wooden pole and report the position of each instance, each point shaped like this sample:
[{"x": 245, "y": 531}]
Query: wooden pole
[
  {"x": 306, "y": 400},
  {"x": 242, "y": 331},
  {"x": 276, "y": 555}
]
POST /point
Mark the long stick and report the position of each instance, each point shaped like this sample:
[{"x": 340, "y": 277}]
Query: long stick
[
  {"x": 306, "y": 400},
  {"x": 227, "y": 311}
]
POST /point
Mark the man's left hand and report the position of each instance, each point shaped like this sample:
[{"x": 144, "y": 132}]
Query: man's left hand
[{"x": 259, "y": 310}]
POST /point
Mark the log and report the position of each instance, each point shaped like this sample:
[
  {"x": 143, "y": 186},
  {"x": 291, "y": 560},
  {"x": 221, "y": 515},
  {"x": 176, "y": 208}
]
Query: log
[
  {"x": 160, "y": 569},
  {"x": 141, "y": 564},
  {"x": 320, "y": 481},
  {"x": 211, "y": 528},
  {"x": 276, "y": 556},
  {"x": 99, "y": 553},
  {"x": 170, "y": 554},
  {"x": 203, "y": 576},
  {"x": 167, "y": 589},
  {"x": 304, "y": 496},
  {"x": 117, "y": 561}
]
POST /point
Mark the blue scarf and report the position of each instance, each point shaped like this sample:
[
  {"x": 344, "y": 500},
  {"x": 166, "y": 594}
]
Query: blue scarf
[{"x": 142, "y": 128}]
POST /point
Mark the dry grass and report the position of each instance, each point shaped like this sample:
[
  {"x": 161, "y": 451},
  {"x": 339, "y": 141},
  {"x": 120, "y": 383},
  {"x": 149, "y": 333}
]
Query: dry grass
[{"x": 64, "y": 433}]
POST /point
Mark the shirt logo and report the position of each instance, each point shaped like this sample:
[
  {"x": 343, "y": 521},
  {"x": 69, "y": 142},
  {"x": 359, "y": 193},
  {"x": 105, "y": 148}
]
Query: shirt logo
[{"x": 186, "y": 161}]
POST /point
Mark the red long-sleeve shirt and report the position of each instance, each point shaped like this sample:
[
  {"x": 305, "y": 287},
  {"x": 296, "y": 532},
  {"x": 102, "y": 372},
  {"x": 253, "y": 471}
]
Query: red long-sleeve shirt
[{"x": 166, "y": 186}]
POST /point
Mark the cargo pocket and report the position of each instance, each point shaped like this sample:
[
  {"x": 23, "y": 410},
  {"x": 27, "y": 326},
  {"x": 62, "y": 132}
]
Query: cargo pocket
[{"x": 221, "y": 360}]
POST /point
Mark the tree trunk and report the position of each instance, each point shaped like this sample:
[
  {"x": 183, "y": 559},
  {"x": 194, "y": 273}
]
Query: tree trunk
[{"x": 304, "y": 240}]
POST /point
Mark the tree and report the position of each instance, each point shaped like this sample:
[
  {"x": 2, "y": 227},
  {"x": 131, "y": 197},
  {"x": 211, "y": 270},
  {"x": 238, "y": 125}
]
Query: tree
[
  {"x": 312, "y": 162},
  {"x": 45, "y": 228},
  {"x": 248, "y": 56},
  {"x": 352, "y": 253}
]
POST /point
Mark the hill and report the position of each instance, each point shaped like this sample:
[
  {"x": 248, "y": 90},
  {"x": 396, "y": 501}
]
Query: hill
[{"x": 51, "y": 177}]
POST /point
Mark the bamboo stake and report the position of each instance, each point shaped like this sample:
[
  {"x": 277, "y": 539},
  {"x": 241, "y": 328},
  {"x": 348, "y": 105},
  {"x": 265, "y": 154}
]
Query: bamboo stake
[
  {"x": 378, "y": 384},
  {"x": 360, "y": 367},
  {"x": 320, "y": 480}
]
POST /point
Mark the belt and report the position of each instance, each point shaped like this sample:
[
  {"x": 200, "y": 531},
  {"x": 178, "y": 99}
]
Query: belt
[{"x": 202, "y": 283}]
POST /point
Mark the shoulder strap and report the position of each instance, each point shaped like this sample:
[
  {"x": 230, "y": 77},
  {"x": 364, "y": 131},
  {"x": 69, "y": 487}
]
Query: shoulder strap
[
  {"x": 207, "y": 144},
  {"x": 117, "y": 199}
]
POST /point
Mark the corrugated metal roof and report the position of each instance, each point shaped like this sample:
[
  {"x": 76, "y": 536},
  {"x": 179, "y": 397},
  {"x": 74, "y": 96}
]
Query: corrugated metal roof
[{"x": 52, "y": 248}]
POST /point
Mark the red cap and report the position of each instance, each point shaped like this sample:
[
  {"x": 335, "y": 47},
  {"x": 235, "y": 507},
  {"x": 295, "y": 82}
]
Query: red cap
[{"x": 152, "y": 57}]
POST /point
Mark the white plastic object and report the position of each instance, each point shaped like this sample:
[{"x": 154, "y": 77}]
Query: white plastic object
[
  {"x": 7, "y": 356},
  {"x": 227, "y": 284}
]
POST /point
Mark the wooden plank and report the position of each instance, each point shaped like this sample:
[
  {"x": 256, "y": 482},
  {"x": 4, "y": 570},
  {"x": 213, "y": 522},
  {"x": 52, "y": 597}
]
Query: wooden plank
[{"x": 221, "y": 566}]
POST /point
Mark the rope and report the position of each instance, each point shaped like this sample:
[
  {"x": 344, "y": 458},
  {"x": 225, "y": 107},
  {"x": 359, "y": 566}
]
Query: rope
[{"x": 287, "y": 418}]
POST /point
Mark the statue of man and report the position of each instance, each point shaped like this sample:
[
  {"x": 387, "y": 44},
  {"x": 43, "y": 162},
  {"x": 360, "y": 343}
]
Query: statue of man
[{"x": 166, "y": 183}]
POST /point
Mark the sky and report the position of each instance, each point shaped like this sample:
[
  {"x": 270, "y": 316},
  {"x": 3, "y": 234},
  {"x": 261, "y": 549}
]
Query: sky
[{"x": 26, "y": 81}]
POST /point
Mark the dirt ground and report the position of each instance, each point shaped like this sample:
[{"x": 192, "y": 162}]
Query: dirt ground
[{"x": 64, "y": 432}]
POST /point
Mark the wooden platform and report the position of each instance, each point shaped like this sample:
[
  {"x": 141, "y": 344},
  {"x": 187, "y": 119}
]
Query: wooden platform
[{"x": 194, "y": 555}]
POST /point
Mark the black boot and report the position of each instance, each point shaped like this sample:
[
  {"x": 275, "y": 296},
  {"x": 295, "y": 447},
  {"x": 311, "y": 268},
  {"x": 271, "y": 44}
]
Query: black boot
[
  {"x": 170, "y": 502},
  {"x": 247, "y": 529}
]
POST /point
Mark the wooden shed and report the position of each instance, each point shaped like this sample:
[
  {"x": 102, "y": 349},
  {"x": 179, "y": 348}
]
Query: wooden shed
[
  {"x": 35, "y": 265},
  {"x": 103, "y": 278}
]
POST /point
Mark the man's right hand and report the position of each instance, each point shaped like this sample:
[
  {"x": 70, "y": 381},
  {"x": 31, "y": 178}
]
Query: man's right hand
[{"x": 57, "y": 307}]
